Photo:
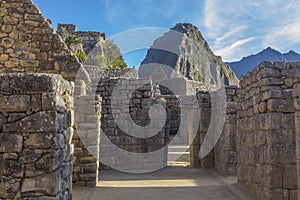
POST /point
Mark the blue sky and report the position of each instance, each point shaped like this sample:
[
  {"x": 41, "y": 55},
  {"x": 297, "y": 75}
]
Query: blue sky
[{"x": 232, "y": 28}]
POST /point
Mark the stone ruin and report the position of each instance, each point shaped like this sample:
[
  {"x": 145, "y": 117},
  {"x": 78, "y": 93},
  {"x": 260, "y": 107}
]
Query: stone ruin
[
  {"x": 45, "y": 115},
  {"x": 89, "y": 38}
]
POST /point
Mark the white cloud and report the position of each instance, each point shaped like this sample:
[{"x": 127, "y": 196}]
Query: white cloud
[
  {"x": 223, "y": 39},
  {"x": 232, "y": 51},
  {"x": 283, "y": 37},
  {"x": 272, "y": 22}
]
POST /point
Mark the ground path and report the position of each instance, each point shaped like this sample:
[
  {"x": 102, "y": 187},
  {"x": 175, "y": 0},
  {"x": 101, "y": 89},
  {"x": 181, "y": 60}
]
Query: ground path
[{"x": 171, "y": 183}]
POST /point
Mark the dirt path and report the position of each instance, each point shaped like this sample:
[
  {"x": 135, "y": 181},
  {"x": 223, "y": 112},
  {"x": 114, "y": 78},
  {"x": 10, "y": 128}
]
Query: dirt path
[{"x": 172, "y": 183}]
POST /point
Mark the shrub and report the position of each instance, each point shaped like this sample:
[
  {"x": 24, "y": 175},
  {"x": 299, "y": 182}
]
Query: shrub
[{"x": 82, "y": 57}]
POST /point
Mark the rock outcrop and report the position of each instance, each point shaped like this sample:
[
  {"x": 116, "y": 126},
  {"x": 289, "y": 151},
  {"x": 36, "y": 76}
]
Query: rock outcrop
[{"x": 184, "y": 50}]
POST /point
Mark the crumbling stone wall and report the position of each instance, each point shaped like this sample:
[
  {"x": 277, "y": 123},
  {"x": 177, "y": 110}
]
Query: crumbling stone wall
[
  {"x": 266, "y": 131},
  {"x": 36, "y": 128},
  {"x": 225, "y": 151},
  {"x": 29, "y": 44},
  {"x": 71, "y": 28},
  {"x": 89, "y": 38},
  {"x": 97, "y": 72}
]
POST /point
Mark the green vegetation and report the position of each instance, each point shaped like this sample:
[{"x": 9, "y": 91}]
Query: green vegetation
[
  {"x": 119, "y": 63},
  {"x": 82, "y": 57},
  {"x": 98, "y": 60},
  {"x": 70, "y": 39},
  {"x": 107, "y": 56}
]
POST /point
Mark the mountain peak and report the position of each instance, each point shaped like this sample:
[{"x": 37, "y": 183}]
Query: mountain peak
[
  {"x": 269, "y": 49},
  {"x": 184, "y": 50},
  {"x": 293, "y": 52},
  {"x": 269, "y": 54},
  {"x": 184, "y": 27}
]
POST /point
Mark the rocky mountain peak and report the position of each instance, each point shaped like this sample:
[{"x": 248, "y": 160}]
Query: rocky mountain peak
[
  {"x": 190, "y": 31},
  {"x": 184, "y": 50}
]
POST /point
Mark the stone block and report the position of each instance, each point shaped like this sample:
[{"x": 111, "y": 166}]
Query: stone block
[
  {"x": 88, "y": 176},
  {"x": 289, "y": 177},
  {"x": 297, "y": 123},
  {"x": 288, "y": 121},
  {"x": 296, "y": 90},
  {"x": 271, "y": 94},
  {"x": 272, "y": 176},
  {"x": 293, "y": 195},
  {"x": 280, "y": 137},
  {"x": 9, "y": 187},
  {"x": 10, "y": 156},
  {"x": 36, "y": 103},
  {"x": 266, "y": 71},
  {"x": 12, "y": 168},
  {"x": 37, "y": 122},
  {"x": 262, "y": 107},
  {"x": 292, "y": 70},
  {"x": 50, "y": 162},
  {"x": 277, "y": 194},
  {"x": 285, "y": 154},
  {"x": 30, "y": 83},
  {"x": 15, "y": 103},
  {"x": 88, "y": 159},
  {"x": 52, "y": 101},
  {"x": 269, "y": 121},
  {"x": 281, "y": 105},
  {"x": 288, "y": 82},
  {"x": 16, "y": 116},
  {"x": 42, "y": 141},
  {"x": 270, "y": 81},
  {"x": 48, "y": 184},
  {"x": 32, "y": 172},
  {"x": 11, "y": 143}
]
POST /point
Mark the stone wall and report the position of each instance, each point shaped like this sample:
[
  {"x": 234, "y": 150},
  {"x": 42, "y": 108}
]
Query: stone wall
[
  {"x": 204, "y": 99},
  {"x": 71, "y": 28},
  {"x": 89, "y": 38},
  {"x": 296, "y": 94},
  {"x": 29, "y": 44},
  {"x": 266, "y": 131},
  {"x": 97, "y": 72},
  {"x": 225, "y": 152},
  {"x": 129, "y": 106},
  {"x": 86, "y": 140},
  {"x": 36, "y": 128}
]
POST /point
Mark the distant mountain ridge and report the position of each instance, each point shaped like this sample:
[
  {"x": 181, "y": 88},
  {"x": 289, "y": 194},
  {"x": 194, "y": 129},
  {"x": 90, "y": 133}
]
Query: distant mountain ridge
[{"x": 248, "y": 63}]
